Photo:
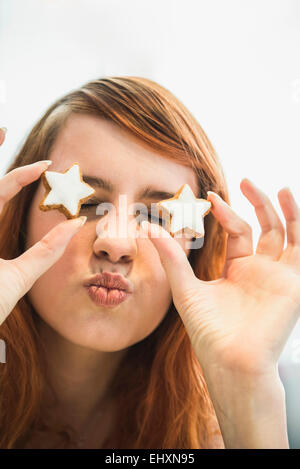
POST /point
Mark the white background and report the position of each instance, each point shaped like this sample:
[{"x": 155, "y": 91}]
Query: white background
[{"x": 234, "y": 64}]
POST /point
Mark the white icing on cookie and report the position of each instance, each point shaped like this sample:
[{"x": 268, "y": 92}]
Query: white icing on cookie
[
  {"x": 67, "y": 189},
  {"x": 187, "y": 212}
]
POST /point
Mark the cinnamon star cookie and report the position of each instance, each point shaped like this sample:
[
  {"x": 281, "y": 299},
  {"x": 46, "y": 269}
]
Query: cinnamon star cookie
[
  {"x": 185, "y": 212},
  {"x": 65, "y": 191}
]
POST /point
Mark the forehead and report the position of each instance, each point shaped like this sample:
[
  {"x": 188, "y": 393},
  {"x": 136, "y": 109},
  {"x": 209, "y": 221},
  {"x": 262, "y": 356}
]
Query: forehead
[{"x": 104, "y": 150}]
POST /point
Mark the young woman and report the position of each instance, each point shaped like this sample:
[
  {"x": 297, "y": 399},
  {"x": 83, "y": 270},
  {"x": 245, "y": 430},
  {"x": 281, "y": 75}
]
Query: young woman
[{"x": 189, "y": 359}]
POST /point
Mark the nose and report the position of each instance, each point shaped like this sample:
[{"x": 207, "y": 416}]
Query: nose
[
  {"x": 115, "y": 250},
  {"x": 114, "y": 247}
]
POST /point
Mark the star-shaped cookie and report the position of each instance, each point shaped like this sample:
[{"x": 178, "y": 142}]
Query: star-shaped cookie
[
  {"x": 185, "y": 212},
  {"x": 65, "y": 191}
]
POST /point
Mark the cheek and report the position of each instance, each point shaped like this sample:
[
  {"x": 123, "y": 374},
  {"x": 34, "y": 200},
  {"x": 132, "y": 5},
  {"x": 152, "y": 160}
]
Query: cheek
[
  {"x": 159, "y": 294},
  {"x": 57, "y": 296},
  {"x": 39, "y": 223},
  {"x": 155, "y": 293},
  {"x": 53, "y": 282}
]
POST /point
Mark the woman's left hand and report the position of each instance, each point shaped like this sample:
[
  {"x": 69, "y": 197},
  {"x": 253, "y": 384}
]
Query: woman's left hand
[{"x": 241, "y": 321}]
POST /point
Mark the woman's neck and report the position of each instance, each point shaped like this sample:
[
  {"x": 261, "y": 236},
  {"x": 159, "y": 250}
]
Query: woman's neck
[{"x": 79, "y": 377}]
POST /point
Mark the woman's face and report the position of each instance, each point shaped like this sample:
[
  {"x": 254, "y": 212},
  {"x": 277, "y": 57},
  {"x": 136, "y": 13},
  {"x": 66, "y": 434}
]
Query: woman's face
[{"x": 59, "y": 296}]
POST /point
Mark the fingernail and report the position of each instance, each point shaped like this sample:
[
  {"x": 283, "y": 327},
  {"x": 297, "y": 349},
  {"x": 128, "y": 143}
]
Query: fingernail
[
  {"x": 287, "y": 189},
  {"x": 145, "y": 225},
  {"x": 247, "y": 180},
  {"x": 4, "y": 129},
  {"x": 81, "y": 220},
  {"x": 45, "y": 163},
  {"x": 214, "y": 193},
  {"x": 218, "y": 197}
]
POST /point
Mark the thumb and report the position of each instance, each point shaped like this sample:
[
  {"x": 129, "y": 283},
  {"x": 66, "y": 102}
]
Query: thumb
[
  {"x": 30, "y": 265},
  {"x": 173, "y": 258}
]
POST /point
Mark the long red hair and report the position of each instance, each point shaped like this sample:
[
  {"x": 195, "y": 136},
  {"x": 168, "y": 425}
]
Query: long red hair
[{"x": 161, "y": 395}]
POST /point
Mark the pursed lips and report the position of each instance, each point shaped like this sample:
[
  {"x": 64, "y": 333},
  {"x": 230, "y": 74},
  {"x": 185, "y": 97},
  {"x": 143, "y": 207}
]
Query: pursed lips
[{"x": 111, "y": 281}]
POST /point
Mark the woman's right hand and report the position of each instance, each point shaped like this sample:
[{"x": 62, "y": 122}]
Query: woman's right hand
[{"x": 18, "y": 275}]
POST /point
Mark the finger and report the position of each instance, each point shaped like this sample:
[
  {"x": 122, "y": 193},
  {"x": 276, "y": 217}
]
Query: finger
[
  {"x": 30, "y": 265},
  {"x": 2, "y": 134},
  {"x": 16, "y": 179},
  {"x": 239, "y": 241},
  {"x": 173, "y": 258},
  {"x": 272, "y": 235},
  {"x": 291, "y": 214}
]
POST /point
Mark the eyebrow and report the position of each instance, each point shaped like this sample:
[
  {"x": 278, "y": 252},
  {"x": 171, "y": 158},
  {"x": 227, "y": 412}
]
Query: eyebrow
[{"x": 146, "y": 193}]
